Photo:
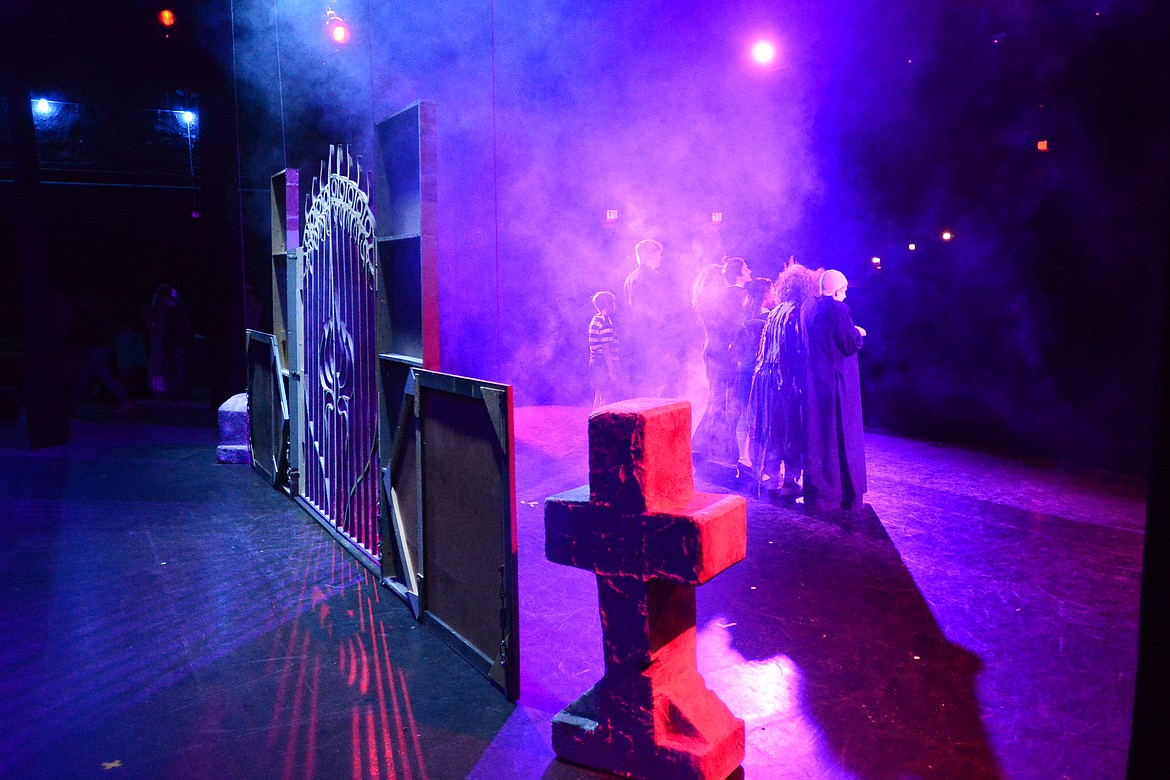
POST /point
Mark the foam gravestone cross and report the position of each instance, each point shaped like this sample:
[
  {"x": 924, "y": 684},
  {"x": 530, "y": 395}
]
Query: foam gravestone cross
[{"x": 651, "y": 539}]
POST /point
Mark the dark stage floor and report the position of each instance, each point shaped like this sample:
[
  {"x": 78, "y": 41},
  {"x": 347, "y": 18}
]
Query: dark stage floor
[{"x": 163, "y": 616}]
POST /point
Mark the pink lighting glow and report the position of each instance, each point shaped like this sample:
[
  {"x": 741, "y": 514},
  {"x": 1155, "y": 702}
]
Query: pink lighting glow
[{"x": 763, "y": 52}]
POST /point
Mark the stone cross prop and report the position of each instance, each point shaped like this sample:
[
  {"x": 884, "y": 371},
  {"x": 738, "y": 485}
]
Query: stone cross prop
[{"x": 650, "y": 538}]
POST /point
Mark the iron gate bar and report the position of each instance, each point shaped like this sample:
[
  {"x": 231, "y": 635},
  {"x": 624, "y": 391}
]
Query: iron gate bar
[{"x": 337, "y": 286}]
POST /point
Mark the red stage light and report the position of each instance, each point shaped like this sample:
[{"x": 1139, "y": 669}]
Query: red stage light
[
  {"x": 337, "y": 28},
  {"x": 166, "y": 17}
]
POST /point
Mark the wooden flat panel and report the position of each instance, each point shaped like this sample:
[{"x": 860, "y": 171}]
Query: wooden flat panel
[
  {"x": 407, "y": 212},
  {"x": 267, "y": 408},
  {"x": 403, "y": 524},
  {"x": 468, "y": 510}
]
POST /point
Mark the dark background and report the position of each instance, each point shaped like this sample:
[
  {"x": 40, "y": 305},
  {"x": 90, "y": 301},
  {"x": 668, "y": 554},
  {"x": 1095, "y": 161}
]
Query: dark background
[{"x": 1036, "y": 329}]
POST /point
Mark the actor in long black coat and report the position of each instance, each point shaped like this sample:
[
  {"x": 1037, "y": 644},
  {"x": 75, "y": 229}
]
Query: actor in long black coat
[
  {"x": 834, "y": 469},
  {"x": 714, "y": 437}
]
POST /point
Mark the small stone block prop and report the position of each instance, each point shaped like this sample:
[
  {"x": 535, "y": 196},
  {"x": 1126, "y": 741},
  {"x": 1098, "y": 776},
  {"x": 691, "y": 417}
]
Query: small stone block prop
[
  {"x": 650, "y": 539},
  {"x": 233, "y": 431}
]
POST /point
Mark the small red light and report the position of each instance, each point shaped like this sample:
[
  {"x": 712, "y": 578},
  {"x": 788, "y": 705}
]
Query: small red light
[
  {"x": 166, "y": 17},
  {"x": 1042, "y": 146},
  {"x": 336, "y": 27}
]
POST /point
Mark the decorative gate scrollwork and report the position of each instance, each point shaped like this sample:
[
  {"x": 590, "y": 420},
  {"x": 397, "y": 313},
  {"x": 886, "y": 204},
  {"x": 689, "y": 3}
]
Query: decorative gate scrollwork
[
  {"x": 337, "y": 293},
  {"x": 344, "y": 300}
]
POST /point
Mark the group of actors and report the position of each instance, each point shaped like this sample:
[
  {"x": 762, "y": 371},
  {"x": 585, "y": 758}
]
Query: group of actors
[{"x": 784, "y": 392}]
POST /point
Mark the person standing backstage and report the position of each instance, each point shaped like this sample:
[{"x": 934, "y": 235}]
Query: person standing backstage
[{"x": 834, "y": 470}]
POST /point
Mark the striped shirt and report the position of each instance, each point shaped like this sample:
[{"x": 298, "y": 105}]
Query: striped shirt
[{"x": 602, "y": 336}]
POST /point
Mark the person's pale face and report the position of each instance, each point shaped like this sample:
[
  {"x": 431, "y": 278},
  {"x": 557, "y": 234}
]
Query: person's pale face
[
  {"x": 654, "y": 260},
  {"x": 745, "y": 276},
  {"x": 840, "y": 294}
]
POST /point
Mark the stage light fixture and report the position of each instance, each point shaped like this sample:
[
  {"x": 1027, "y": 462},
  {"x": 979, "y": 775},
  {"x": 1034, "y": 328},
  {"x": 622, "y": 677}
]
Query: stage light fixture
[
  {"x": 1042, "y": 146},
  {"x": 166, "y": 17},
  {"x": 336, "y": 27},
  {"x": 947, "y": 235},
  {"x": 763, "y": 52},
  {"x": 912, "y": 247},
  {"x": 43, "y": 107}
]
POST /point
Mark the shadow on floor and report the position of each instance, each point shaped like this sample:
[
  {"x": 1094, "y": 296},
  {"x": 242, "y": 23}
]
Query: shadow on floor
[{"x": 891, "y": 695}]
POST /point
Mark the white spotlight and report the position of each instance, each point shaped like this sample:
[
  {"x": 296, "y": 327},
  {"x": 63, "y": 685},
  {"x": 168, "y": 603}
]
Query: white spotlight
[{"x": 763, "y": 52}]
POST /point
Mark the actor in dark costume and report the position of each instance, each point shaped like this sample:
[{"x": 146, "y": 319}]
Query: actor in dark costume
[
  {"x": 722, "y": 312},
  {"x": 758, "y": 302},
  {"x": 834, "y": 473},
  {"x": 645, "y": 316},
  {"x": 776, "y": 427}
]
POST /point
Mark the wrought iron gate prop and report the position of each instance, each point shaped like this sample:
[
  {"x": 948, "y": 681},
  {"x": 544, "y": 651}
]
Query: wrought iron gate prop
[
  {"x": 337, "y": 288},
  {"x": 330, "y": 403}
]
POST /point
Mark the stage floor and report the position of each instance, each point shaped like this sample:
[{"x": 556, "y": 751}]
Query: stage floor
[{"x": 164, "y": 616}]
